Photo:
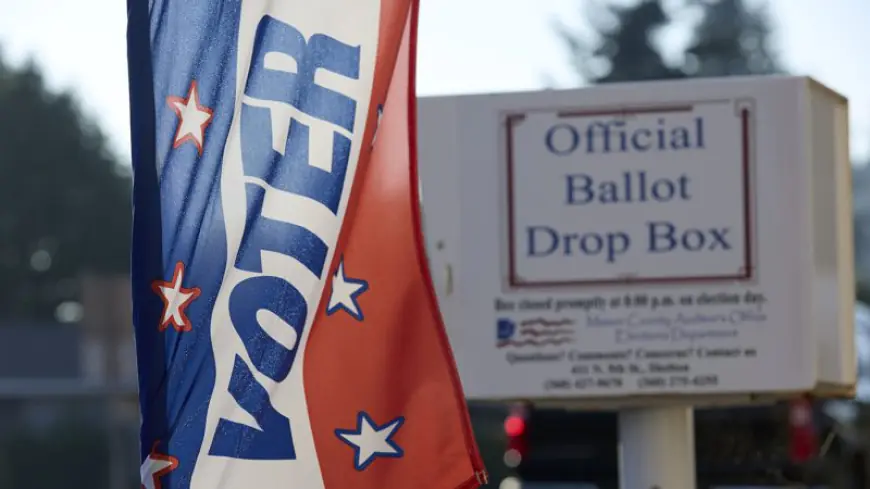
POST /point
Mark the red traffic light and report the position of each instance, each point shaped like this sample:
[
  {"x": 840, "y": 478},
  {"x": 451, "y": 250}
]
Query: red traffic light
[
  {"x": 804, "y": 444},
  {"x": 514, "y": 426}
]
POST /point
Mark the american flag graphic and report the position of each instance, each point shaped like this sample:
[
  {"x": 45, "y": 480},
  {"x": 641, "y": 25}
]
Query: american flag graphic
[{"x": 537, "y": 331}]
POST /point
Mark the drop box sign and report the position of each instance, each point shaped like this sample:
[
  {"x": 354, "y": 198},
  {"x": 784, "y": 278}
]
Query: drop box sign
[
  {"x": 614, "y": 195},
  {"x": 642, "y": 240}
]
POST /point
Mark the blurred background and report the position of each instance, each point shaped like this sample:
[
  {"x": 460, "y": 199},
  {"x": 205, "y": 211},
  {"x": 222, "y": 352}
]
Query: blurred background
[{"x": 67, "y": 363}]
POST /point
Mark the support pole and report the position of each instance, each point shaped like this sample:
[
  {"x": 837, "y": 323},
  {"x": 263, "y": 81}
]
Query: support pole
[{"x": 657, "y": 448}]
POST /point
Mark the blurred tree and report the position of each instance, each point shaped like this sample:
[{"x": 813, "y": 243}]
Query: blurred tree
[
  {"x": 622, "y": 48},
  {"x": 863, "y": 292},
  {"x": 731, "y": 39},
  {"x": 861, "y": 207},
  {"x": 64, "y": 199}
]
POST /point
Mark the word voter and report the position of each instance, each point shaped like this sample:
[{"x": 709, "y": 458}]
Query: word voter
[{"x": 292, "y": 173}]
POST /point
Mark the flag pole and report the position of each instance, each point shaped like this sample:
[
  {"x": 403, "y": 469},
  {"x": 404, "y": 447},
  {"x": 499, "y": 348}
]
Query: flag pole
[{"x": 657, "y": 448}]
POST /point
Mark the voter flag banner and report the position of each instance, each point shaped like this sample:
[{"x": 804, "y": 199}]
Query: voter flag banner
[{"x": 286, "y": 327}]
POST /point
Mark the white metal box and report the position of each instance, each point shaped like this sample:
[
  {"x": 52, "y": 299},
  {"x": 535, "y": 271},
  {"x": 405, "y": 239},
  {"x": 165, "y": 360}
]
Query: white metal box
[{"x": 625, "y": 243}]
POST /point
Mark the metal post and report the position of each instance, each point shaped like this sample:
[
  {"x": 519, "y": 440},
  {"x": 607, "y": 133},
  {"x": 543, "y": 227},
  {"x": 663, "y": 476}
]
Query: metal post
[{"x": 657, "y": 448}]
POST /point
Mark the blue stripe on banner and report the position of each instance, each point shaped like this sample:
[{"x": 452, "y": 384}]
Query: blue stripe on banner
[{"x": 177, "y": 209}]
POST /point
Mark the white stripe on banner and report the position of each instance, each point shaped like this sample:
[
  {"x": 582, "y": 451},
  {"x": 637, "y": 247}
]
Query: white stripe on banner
[{"x": 353, "y": 22}]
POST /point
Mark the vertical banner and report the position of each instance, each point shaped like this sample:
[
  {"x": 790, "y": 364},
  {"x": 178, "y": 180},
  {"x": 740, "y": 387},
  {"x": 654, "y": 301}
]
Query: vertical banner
[{"x": 287, "y": 331}]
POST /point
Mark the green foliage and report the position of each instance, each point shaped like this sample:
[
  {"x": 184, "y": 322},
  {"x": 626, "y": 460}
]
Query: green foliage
[
  {"x": 862, "y": 292},
  {"x": 622, "y": 48},
  {"x": 730, "y": 39},
  {"x": 64, "y": 199}
]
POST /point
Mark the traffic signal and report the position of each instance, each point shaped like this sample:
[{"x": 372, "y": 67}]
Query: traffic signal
[
  {"x": 555, "y": 445},
  {"x": 515, "y": 429},
  {"x": 804, "y": 443}
]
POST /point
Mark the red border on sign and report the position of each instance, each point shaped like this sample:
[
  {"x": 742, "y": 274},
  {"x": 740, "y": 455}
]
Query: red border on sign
[{"x": 744, "y": 274}]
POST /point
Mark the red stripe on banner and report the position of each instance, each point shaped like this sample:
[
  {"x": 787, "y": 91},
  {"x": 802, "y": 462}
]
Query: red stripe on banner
[{"x": 386, "y": 404}]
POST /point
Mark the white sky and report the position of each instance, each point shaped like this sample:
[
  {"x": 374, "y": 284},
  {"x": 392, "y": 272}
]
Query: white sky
[{"x": 465, "y": 46}]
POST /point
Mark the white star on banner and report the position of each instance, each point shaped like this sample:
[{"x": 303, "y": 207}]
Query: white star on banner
[
  {"x": 155, "y": 466},
  {"x": 370, "y": 441},
  {"x": 193, "y": 118},
  {"x": 345, "y": 294}
]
